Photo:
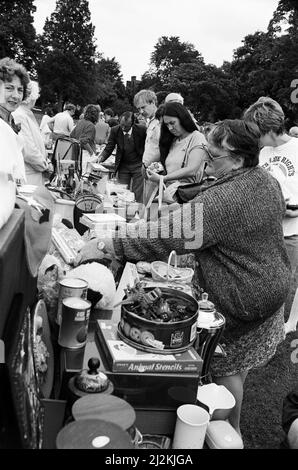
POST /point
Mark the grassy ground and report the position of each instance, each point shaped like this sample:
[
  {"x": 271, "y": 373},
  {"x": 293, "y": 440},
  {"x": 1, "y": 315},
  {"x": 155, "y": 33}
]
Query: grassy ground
[{"x": 264, "y": 391}]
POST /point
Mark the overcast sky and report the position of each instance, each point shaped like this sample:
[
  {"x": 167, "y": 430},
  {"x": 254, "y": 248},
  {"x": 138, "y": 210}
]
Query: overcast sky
[{"x": 128, "y": 30}]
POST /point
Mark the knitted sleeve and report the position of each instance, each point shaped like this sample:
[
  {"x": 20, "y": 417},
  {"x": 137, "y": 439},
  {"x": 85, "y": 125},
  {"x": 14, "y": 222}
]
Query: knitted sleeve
[{"x": 193, "y": 226}]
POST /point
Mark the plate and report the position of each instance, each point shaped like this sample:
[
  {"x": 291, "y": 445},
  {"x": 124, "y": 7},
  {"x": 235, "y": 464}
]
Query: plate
[
  {"x": 149, "y": 349},
  {"x": 43, "y": 349}
]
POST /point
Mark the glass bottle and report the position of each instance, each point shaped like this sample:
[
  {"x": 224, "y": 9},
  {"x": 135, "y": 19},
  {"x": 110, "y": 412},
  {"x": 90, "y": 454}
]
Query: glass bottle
[{"x": 70, "y": 184}]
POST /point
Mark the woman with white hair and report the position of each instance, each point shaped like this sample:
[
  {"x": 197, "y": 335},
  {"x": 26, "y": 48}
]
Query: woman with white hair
[{"x": 33, "y": 149}]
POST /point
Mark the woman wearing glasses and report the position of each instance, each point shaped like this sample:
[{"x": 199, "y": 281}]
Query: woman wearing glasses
[{"x": 234, "y": 227}]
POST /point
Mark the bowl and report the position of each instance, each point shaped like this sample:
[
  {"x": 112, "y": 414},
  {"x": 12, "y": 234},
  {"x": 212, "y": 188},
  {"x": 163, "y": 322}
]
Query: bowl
[{"x": 159, "y": 336}]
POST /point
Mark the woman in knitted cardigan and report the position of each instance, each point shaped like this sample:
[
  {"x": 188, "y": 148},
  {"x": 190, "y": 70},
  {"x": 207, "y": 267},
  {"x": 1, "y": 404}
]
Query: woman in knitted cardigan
[{"x": 234, "y": 227}]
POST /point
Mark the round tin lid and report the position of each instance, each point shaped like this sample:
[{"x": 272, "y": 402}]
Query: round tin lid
[
  {"x": 93, "y": 434},
  {"x": 76, "y": 302},
  {"x": 105, "y": 407},
  {"x": 73, "y": 282}
]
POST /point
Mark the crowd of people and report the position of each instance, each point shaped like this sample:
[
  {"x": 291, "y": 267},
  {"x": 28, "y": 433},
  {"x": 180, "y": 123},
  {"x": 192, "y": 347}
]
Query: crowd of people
[{"x": 244, "y": 214}]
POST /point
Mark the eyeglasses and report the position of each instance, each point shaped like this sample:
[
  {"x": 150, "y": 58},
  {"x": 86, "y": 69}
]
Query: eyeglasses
[{"x": 212, "y": 157}]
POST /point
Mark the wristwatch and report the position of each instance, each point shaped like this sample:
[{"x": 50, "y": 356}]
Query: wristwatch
[{"x": 100, "y": 245}]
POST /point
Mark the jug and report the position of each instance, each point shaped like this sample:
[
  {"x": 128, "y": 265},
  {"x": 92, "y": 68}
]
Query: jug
[{"x": 210, "y": 326}]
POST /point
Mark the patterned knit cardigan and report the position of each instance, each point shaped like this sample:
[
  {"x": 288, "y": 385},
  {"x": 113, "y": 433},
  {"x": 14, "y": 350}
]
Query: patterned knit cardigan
[{"x": 234, "y": 227}]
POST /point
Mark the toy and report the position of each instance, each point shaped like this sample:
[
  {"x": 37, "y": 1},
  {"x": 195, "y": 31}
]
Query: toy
[{"x": 101, "y": 283}]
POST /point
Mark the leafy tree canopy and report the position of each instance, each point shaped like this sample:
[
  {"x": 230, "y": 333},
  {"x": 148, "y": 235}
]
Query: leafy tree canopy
[
  {"x": 108, "y": 84},
  {"x": 56, "y": 77},
  {"x": 170, "y": 52},
  {"x": 69, "y": 29},
  {"x": 17, "y": 33}
]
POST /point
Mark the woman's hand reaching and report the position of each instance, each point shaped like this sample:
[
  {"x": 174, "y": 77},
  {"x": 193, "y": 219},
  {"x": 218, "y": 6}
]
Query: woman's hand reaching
[
  {"x": 94, "y": 249},
  {"x": 153, "y": 176}
]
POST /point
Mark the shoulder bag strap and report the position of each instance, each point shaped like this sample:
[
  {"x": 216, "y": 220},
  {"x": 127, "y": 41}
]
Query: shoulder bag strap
[{"x": 185, "y": 159}]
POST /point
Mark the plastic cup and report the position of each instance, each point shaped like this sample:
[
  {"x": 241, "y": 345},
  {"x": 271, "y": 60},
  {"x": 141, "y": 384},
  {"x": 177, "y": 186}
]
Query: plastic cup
[{"x": 191, "y": 427}]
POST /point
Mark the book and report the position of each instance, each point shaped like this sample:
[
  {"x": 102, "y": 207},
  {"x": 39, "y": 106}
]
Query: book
[{"x": 122, "y": 357}]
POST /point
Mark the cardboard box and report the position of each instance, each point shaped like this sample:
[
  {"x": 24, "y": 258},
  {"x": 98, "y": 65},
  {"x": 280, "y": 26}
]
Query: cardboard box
[
  {"x": 123, "y": 358},
  {"x": 155, "y": 397},
  {"x": 148, "y": 389}
]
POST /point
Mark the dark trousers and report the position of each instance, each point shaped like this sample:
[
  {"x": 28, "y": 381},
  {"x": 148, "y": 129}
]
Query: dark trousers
[{"x": 132, "y": 175}]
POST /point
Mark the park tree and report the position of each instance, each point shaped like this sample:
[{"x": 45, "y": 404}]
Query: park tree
[
  {"x": 69, "y": 29},
  {"x": 284, "y": 28},
  {"x": 109, "y": 87},
  {"x": 177, "y": 66},
  {"x": 286, "y": 14},
  {"x": 170, "y": 52},
  {"x": 266, "y": 63},
  {"x": 251, "y": 68},
  {"x": 17, "y": 33},
  {"x": 63, "y": 78},
  {"x": 207, "y": 90},
  {"x": 68, "y": 56},
  {"x": 150, "y": 80}
]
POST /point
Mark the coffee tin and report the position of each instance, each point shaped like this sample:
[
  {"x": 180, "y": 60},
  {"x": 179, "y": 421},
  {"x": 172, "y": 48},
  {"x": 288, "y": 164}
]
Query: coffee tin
[
  {"x": 70, "y": 287},
  {"x": 74, "y": 322}
]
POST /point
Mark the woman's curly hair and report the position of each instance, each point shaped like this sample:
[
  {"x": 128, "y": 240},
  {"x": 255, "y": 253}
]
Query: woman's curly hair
[
  {"x": 91, "y": 113},
  {"x": 9, "y": 68}
]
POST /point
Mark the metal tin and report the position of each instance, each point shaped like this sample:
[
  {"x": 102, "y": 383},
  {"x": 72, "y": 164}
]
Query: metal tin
[
  {"x": 159, "y": 337},
  {"x": 74, "y": 322},
  {"x": 93, "y": 434},
  {"x": 108, "y": 408},
  {"x": 70, "y": 287}
]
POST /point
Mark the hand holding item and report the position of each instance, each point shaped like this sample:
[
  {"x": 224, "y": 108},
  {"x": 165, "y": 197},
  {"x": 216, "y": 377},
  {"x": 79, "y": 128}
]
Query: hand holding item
[
  {"x": 156, "y": 167},
  {"x": 96, "y": 249},
  {"x": 93, "y": 158},
  {"x": 152, "y": 176}
]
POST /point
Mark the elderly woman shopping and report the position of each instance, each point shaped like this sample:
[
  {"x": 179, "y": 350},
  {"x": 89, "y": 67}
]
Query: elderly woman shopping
[{"x": 234, "y": 227}]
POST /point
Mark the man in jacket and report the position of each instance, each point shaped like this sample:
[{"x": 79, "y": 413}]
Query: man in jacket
[{"x": 130, "y": 141}]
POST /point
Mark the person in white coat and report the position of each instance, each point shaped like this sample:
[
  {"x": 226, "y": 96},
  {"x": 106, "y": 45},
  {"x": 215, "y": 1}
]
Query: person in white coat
[
  {"x": 34, "y": 152},
  {"x": 9, "y": 166}
]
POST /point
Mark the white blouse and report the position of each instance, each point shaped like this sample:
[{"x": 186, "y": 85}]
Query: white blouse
[{"x": 179, "y": 148}]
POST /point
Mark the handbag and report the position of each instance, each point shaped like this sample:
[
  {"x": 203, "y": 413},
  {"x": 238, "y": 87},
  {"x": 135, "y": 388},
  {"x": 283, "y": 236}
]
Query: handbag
[
  {"x": 187, "y": 192},
  {"x": 170, "y": 192}
]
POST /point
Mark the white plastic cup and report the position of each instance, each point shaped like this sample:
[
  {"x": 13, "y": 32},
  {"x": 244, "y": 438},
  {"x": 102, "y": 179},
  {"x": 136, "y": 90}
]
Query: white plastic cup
[{"x": 191, "y": 427}]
